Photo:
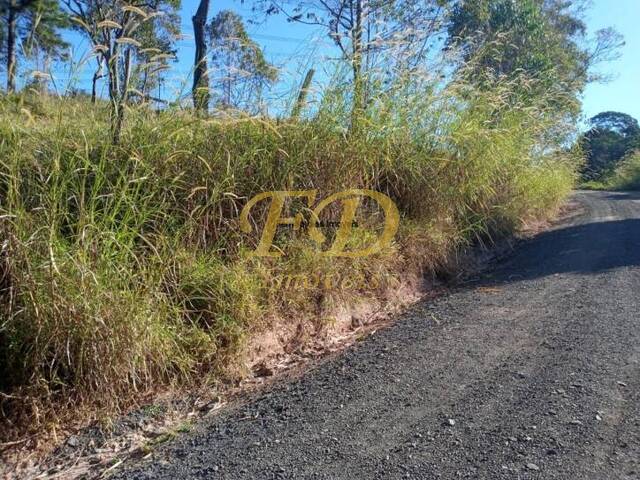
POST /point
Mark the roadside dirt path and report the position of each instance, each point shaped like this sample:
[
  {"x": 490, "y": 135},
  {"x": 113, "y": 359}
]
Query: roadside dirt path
[{"x": 532, "y": 371}]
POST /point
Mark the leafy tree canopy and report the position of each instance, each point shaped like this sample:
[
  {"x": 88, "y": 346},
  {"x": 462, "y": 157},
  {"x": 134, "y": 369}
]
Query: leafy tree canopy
[
  {"x": 31, "y": 28},
  {"x": 612, "y": 136},
  {"x": 543, "y": 40},
  {"x": 241, "y": 65}
]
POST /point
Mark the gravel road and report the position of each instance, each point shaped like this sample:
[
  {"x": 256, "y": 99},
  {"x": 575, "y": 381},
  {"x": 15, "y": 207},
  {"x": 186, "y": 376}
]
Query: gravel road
[{"x": 532, "y": 371}]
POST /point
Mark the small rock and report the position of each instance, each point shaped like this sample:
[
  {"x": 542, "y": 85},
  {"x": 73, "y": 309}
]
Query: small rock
[
  {"x": 210, "y": 405},
  {"x": 262, "y": 370},
  {"x": 451, "y": 422},
  {"x": 73, "y": 441},
  {"x": 533, "y": 466},
  {"x": 622, "y": 384}
]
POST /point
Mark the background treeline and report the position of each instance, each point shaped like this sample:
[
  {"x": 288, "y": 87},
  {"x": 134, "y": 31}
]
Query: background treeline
[
  {"x": 122, "y": 266},
  {"x": 612, "y": 152}
]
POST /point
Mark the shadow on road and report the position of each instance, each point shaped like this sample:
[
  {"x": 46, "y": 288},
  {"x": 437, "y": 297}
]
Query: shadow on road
[
  {"x": 622, "y": 196},
  {"x": 581, "y": 249}
]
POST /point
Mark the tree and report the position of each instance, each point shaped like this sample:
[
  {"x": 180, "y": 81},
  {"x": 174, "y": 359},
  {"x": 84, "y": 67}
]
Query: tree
[
  {"x": 200, "y": 90},
  {"x": 119, "y": 31},
  {"x": 362, "y": 29},
  {"x": 85, "y": 18},
  {"x": 35, "y": 24},
  {"x": 44, "y": 44},
  {"x": 504, "y": 36},
  {"x": 543, "y": 40},
  {"x": 612, "y": 136},
  {"x": 156, "y": 50},
  {"x": 243, "y": 70}
]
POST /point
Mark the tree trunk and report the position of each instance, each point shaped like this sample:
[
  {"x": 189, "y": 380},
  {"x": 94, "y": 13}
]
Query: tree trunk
[
  {"x": 11, "y": 47},
  {"x": 227, "y": 85},
  {"x": 113, "y": 72},
  {"x": 200, "y": 89},
  {"x": 43, "y": 82},
  {"x": 94, "y": 84},
  {"x": 356, "y": 64},
  {"x": 123, "y": 96},
  {"x": 145, "y": 83},
  {"x": 302, "y": 96}
]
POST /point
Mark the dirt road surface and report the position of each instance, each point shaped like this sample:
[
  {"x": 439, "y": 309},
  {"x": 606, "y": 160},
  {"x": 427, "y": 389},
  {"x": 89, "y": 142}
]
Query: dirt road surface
[{"x": 532, "y": 371}]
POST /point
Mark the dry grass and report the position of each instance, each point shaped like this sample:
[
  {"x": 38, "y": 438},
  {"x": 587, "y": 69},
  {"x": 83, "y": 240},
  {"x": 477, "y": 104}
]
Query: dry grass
[{"x": 124, "y": 269}]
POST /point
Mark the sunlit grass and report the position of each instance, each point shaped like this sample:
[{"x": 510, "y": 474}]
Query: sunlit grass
[{"x": 124, "y": 268}]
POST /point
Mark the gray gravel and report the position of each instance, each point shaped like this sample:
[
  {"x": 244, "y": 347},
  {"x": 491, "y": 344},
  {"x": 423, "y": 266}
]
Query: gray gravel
[{"x": 532, "y": 371}]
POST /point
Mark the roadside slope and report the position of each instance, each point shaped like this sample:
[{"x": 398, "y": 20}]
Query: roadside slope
[{"x": 530, "y": 372}]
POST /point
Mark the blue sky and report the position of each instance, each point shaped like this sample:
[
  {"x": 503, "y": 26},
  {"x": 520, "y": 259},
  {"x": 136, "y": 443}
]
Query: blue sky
[
  {"x": 286, "y": 44},
  {"x": 623, "y": 93},
  {"x": 294, "y": 48}
]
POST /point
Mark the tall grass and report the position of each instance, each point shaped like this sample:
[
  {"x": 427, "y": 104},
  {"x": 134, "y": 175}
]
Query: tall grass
[{"x": 123, "y": 267}]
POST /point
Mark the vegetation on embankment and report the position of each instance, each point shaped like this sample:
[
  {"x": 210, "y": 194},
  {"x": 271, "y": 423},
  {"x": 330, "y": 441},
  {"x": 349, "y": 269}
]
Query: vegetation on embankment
[
  {"x": 624, "y": 176},
  {"x": 123, "y": 266}
]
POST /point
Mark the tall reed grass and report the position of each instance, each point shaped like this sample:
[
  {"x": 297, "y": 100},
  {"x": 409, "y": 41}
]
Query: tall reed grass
[{"x": 123, "y": 267}]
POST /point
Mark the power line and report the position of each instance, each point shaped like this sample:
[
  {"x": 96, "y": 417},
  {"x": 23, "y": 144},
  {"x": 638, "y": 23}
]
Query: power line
[{"x": 275, "y": 38}]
